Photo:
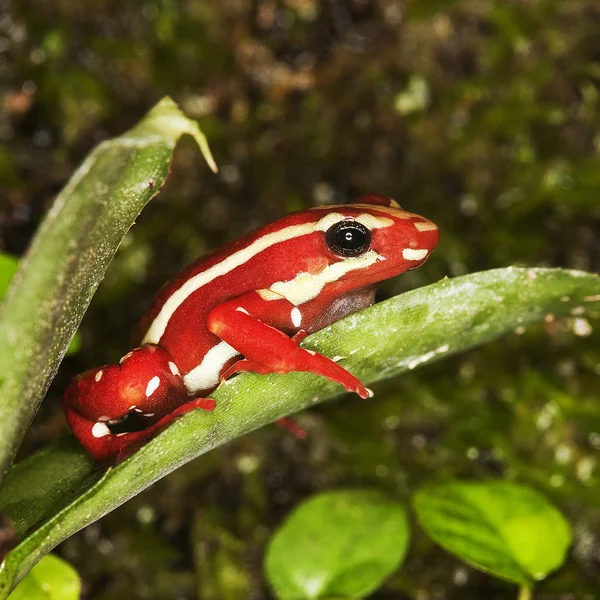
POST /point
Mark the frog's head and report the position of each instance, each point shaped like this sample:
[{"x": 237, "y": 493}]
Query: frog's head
[{"x": 374, "y": 239}]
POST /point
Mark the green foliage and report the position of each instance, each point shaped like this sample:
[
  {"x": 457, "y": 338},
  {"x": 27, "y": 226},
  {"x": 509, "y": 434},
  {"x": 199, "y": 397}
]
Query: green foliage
[
  {"x": 300, "y": 101},
  {"x": 51, "y": 579},
  {"x": 505, "y": 529},
  {"x": 341, "y": 544},
  {"x": 39, "y": 486},
  {"x": 344, "y": 544},
  {"x": 414, "y": 319},
  {"x": 69, "y": 256},
  {"x": 8, "y": 268}
]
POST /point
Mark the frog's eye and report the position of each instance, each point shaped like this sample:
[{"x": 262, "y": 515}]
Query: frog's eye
[{"x": 348, "y": 238}]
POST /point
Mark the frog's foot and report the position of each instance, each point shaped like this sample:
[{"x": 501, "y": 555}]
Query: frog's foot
[
  {"x": 292, "y": 427},
  {"x": 311, "y": 362}
]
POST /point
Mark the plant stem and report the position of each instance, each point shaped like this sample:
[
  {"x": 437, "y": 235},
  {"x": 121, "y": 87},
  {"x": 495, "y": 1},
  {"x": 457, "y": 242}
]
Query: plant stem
[{"x": 525, "y": 593}]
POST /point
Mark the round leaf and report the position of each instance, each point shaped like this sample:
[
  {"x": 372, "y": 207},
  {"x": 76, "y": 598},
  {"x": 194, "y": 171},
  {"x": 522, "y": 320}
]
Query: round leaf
[
  {"x": 51, "y": 579},
  {"x": 337, "y": 544},
  {"x": 505, "y": 529}
]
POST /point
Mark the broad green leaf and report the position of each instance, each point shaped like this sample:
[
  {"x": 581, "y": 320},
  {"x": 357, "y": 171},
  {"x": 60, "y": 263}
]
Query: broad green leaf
[
  {"x": 8, "y": 268},
  {"x": 341, "y": 544},
  {"x": 505, "y": 529},
  {"x": 51, "y": 579},
  {"x": 62, "y": 466},
  {"x": 400, "y": 334},
  {"x": 69, "y": 255}
]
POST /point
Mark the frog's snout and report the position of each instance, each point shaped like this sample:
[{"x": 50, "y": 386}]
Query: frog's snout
[{"x": 422, "y": 241}]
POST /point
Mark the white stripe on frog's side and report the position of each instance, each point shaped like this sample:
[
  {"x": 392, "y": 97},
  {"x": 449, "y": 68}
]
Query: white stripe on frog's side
[
  {"x": 307, "y": 286},
  {"x": 179, "y": 296},
  {"x": 206, "y": 374}
]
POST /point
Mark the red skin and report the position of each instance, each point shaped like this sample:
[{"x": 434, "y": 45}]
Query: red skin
[{"x": 231, "y": 307}]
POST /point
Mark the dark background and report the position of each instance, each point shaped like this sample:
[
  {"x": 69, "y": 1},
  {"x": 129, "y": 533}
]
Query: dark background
[{"x": 481, "y": 115}]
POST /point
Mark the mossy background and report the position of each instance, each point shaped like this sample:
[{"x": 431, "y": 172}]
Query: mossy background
[{"x": 482, "y": 115}]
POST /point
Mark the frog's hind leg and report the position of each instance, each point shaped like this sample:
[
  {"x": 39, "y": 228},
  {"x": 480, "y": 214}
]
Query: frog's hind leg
[
  {"x": 113, "y": 409},
  {"x": 104, "y": 445}
]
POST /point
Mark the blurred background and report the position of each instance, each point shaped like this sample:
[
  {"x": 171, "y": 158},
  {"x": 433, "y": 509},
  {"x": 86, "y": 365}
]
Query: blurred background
[{"x": 481, "y": 115}]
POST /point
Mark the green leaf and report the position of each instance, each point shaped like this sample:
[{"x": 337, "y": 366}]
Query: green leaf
[
  {"x": 44, "y": 482},
  {"x": 51, "y": 579},
  {"x": 8, "y": 268},
  {"x": 400, "y": 334},
  {"x": 502, "y": 528},
  {"x": 69, "y": 255},
  {"x": 337, "y": 544}
]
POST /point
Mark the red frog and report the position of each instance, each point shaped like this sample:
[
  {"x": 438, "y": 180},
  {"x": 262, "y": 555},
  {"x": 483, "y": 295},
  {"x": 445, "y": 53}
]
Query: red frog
[{"x": 245, "y": 307}]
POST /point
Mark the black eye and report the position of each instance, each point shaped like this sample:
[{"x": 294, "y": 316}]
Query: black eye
[{"x": 348, "y": 238}]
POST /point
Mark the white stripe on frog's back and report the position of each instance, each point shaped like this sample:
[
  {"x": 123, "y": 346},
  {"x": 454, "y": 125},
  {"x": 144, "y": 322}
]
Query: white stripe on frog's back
[{"x": 179, "y": 296}]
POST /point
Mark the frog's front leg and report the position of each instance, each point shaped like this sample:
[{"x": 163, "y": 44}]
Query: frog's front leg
[
  {"x": 251, "y": 324},
  {"x": 144, "y": 392}
]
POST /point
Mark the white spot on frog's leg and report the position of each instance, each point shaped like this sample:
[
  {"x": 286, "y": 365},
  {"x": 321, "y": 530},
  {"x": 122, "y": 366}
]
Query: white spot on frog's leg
[
  {"x": 152, "y": 386},
  {"x": 173, "y": 368},
  {"x": 100, "y": 430},
  {"x": 128, "y": 355},
  {"x": 425, "y": 226},
  {"x": 98, "y": 376},
  {"x": 410, "y": 254},
  {"x": 296, "y": 317},
  {"x": 206, "y": 374}
]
